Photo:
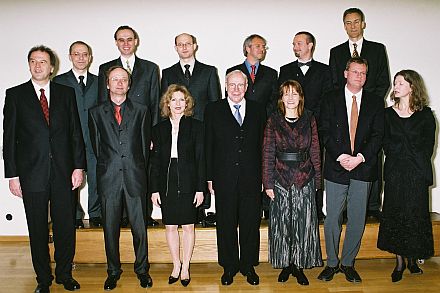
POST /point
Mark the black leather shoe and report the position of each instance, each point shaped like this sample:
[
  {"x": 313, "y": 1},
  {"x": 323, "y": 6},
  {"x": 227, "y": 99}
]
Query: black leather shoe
[
  {"x": 145, "y": 280},
  {"x": 185, "y": 282},
  {"x": 124, "y": 222},
  {"x": 110, "y": 282},
  {"x": 284, "y": 275},
  {"x": 79, "y": 224},
  {"x": 227, "y": 278},
  {"x": 351, "y": 275},
  {"x": 95, "y": 222},
  {"x": 328, "y": 273},
  {"x": 414, "y": 269},
  {"x": 252, "y": 277},
  {"x": 300, "y": 277},
  {"x": 42, "y": 288},
  {"x": 69, "y": 284},
  {"x": 396, "y": 275},
  {"x": 152, "y": 222}
]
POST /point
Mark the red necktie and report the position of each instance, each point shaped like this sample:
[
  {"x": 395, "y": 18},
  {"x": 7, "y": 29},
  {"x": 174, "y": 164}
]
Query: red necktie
[
  {"x": 253, "y": 72},
  {"x": 353, "y": 122},
  {"x": 44, "y": 105},
  {"x": 118, "y": 115}
]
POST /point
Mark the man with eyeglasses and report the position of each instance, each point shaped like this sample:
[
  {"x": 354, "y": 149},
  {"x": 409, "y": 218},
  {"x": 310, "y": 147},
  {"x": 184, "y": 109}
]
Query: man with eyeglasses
[
  {"x": 351, "y": 130},
  {"x": 144, "y": 83},
  {"x": 86, "y": 91},
  {"x": 378, "y": 78},
  {"x": 120, "y": 134},
  {"x": 234, "y": 133}
]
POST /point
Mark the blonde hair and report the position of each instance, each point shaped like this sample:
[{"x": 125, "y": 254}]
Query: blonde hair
[{"x": 166, "y": 98}]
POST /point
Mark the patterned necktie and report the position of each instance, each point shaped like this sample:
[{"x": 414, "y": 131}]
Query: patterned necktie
[
  {"x": 118, "y": 115},
  {"x": 253, "y": 72},
  {"x": 353, "y": 122},
  {"x": 355, "y": 52},
  {"x": 187, "y": 73},
  {"x": 237, "y": 114},
  {"x": 128, "y": 67},
  {"x": 44, "y": 105},
  {"x": 81, "y": 83}
]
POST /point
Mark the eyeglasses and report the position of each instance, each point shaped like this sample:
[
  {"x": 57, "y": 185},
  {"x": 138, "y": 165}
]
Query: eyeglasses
[
  {"x": 118, "y": 79},
  {"x": 182, "y": 45},
  {"x": 78, "y": 55},
  {"x": 361, "y": 73},
  {"x": 240, "y": 86}
]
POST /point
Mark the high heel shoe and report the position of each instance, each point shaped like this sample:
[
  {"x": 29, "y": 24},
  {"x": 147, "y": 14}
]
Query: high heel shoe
[
  {"x": 414, "y": 269},
  {"x": 300, "y": 277},
  {"x": 185, "y": 282},
  {"x": 396, "y": 275},
  {"x": 172, "y": 280}
]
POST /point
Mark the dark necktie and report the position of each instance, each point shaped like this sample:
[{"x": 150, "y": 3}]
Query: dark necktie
[
  {"x": 237, "y": 114},
  {"x": 353, "y": 122},
  {"x": 118, "y": 115},
  {"x": 81, "y": 83},
  {"x": 253, "y": 72},
  {"x": 355, "y": 52},
  {"x": 301, "y": 64},
  {"x": 187, "y": 73},
  {"x": 44, "y": 105}
]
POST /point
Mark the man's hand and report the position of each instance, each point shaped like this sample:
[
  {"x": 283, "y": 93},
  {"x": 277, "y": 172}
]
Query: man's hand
[
  {"x": 270, "y": 193},
  {"x": 155, "y": 199},
  {"x": 198, "y": 199},
  {"x": 15, "y": 187},
  {"x": 349, "y": 163},
  {"x": 77, "y": 178},
  {"x": 211, "y": 190}
]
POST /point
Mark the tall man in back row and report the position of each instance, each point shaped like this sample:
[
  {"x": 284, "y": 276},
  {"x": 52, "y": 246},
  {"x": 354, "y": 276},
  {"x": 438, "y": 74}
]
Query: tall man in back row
[
  {"x": 44, "y": 160},
  {"x": 378, "y": 78}
]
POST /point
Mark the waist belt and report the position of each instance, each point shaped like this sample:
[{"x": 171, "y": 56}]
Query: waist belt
[{"x": 293, "y": 157}]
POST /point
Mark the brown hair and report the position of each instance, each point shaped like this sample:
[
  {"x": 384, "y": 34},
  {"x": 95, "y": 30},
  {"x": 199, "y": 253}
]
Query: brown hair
[
  {"x": 166, "y": 98},
  {"x": 418, "y": 98},
  {"x": 289, "y": 85}
]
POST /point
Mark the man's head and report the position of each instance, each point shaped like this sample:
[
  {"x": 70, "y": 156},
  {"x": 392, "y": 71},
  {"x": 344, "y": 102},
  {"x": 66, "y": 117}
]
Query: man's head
[
  {"x": 356, "y": 74},
  {"x": 304, "y": 45},
  {"x": 81, "y": 56},
  {"x": 118, "y": 81},
  {"x": 354, "y": 23},
  {"x": 42, "y": 61},
  {"x": 254, "y": 48},
  {"x": 236, "y": 85},
  {"x": 185, "y": 45},
  {"x": 126, "y": 40}
]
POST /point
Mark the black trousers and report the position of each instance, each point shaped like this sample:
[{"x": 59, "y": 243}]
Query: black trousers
[
  {"x": 111, "y": 208},
  {"x": 61, "y": 202},
  {"x": 238, "y": 252}
]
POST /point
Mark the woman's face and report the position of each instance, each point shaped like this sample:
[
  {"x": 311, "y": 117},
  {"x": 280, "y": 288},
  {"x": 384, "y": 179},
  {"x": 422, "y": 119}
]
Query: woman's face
[
  {"x": 402, "y": 88},
  {"x": 291, "y": 98},
  {"x": 177, "y": 104}
]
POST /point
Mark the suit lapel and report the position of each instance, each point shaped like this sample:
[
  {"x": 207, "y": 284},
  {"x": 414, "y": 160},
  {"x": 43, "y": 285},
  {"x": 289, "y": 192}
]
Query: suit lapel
[
  {"x": 197, "y": 71},
  {"x": 127, "y": 116},
  {"x": 228, "y": 113},
  {"x": 110, "y": 116}
]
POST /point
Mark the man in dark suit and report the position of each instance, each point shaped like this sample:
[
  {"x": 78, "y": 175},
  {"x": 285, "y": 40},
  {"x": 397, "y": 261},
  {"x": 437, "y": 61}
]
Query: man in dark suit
[
  {"x": 120, "y": 133},
  {"x": 86, "y": 91},
  {"x": 44, "y": 159},
  {"x": 234, "y": 132},
  {"x": 200, "y": 79},
  {"x": 315, "y": 80},
  {"x": 144, "y": 87},
  {"x": 351, "y": 130},
  {"x": 378, "y": 79}
]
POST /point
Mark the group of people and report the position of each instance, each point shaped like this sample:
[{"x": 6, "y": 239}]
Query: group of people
[{"x": 265, "y": 140}]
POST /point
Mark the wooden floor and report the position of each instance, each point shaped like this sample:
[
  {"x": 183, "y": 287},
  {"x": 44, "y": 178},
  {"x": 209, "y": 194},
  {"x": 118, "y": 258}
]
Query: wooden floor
[{"x": 17, "y": 276}]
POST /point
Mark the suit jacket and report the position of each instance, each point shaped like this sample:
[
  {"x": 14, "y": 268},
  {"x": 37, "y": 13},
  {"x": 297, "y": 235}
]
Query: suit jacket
[
  {"x": 121, "y": 150},
  {"x": 36, "y": 152},
  {"x": 204, "y": 84},
  {"x": 233, "y": 153},
  {"x": 84, "y": 100},
  {"x": 144, "y": 88},
  {"x": 191, "y": 156},
  {"x": 315, "y": 83},
  {"x": 378, "y": 77},
  {"x": 265, "y": 88},
  {"x": 335, "y": 136}
]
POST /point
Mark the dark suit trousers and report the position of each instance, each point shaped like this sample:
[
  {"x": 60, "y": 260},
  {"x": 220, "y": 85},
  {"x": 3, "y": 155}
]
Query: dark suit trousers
[
  {"x": 62, "y": 212},
  {"x": 238, "y": 210},
  {"x": 111, "y": 207}
]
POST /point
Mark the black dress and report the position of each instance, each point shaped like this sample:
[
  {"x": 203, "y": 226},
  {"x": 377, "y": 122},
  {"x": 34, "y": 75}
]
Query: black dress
[{"x": 405, "y": 227}]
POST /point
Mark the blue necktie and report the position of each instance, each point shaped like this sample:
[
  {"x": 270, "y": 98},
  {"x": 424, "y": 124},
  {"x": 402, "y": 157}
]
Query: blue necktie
[{"x": 237, "y": 114}]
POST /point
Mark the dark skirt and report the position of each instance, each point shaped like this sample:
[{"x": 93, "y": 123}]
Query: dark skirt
[{"x": 177, "y": 208}]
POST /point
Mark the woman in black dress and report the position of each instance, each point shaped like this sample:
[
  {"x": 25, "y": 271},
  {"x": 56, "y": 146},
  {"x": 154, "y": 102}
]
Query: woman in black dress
[
  {"x": 178, "y": 174},
  {"x": 409, "y": 139}
]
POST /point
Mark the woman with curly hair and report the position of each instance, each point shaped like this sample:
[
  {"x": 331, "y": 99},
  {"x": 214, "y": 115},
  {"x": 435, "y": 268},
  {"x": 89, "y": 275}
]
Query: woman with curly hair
[{"x": 409, "y": 139}]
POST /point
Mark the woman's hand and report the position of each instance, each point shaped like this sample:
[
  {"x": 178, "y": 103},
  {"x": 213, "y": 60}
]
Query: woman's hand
[
  {"x": 270, "y": 194},
  {"x": 198, "y": 199},
  {"x": 155, "y": 198}
]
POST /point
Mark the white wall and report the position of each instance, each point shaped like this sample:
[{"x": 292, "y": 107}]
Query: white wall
[{"x": 409, "y": 29}]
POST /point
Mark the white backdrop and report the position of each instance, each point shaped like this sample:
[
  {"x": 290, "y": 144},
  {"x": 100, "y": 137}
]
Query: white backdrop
[{"x": 409, "y": 29}]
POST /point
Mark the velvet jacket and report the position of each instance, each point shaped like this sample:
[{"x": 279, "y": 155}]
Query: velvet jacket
[{"x": 279, "y": 136}]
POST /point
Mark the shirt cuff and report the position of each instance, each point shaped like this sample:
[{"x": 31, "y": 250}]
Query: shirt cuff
[{"x": 362, "y": 156}]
